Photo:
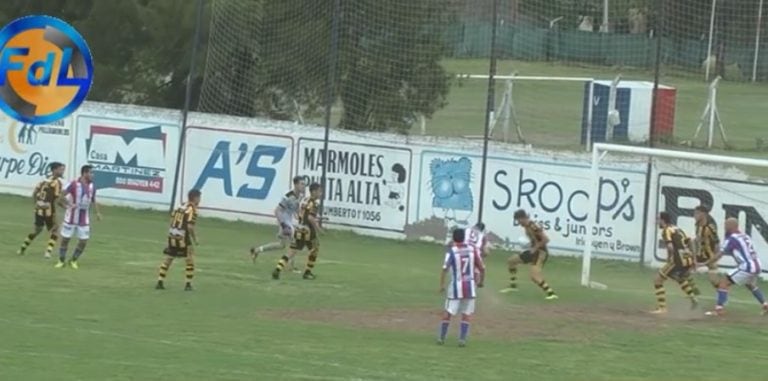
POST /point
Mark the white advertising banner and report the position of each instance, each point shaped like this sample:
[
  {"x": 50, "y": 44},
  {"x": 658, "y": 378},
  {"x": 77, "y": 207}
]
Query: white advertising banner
[
  {"x": 27, "y": 150},
  {"x": 238, "y": 172},
  {"x": 134, "y": 161},
  {"x": 367, "y": 184},
  {"x": 746, "y": 201},
  {"x": 554, "y": 193}
]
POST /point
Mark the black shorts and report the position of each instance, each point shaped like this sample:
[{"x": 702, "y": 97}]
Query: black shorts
[
  {"x": 49, "y": 222},
  {"x": 178, "y": 247},
  {"x": 310, "y": 244},
  {"x": 706, "y": 258},
  {"x": 675, "y": 271},
  {"x": 538, "y": 258}
]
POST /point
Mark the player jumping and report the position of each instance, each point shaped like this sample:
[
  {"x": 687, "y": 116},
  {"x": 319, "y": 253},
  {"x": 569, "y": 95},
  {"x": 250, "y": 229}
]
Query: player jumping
[
  {"x": 181, "y": 237},
  {"x": 476, "y": 237},
  {"x": 305, "y": 235},
  {"x": 462, "y": 261},
  {"x": 707, "y": 244},
  {"x": 46, "y": 195},
  {"x": 747, "y": 271},
  {"x": 536, "y": 256},
  {"x": 80, "y": 195},
  {"x": 680, "y": 263},
  {"x": 285, "y": 213}
]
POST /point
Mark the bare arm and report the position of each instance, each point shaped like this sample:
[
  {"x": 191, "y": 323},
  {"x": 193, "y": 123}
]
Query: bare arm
[
  {"x": 442, "y": 279},
  {"x": 542, "y": 241}
]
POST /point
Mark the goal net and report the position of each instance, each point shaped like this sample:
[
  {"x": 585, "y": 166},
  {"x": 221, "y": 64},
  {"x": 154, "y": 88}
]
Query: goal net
[{"x": 677, "y": 182}]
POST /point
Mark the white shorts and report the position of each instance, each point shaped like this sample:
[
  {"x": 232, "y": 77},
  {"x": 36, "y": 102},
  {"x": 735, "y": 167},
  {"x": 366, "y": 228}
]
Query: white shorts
[
  {"x": 460, "y": 306},
  {"x": 741, "y": 277},
  {"x": 285, "y": 231},
  {"x": 83, "y": 232}
]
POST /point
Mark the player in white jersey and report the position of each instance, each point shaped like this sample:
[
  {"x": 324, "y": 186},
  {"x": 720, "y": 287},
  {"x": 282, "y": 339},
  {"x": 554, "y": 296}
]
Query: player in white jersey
[
  {"x": 748, "y": 267},
  {"x": 79, "y": 196},
  {"x": 476, "y": 237},
  {"x": 461, "y": 261},
  {"x": 286, "y": 213}
]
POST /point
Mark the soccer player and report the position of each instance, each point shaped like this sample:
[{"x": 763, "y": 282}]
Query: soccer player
[
  {"x": 475, "y": 237},
  {"x": 536, "y": 256},
  {"x": 181, "y": 237},
  {"x": 305, "y": 234},
  {"x": 748, "y": 267},
  {"x": 680, "y": 263},
  {"x": 46, "y": 195},
  {"x": 462, "y": 262},
  {"x": 79, "y": 196},
  {"x": 285, "y": 213},
  {"x": 707, "y": 243}
]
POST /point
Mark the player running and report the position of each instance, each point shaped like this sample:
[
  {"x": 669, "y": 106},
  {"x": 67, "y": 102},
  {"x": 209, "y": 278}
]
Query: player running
[
  {"x": 462, "y": 262},
  {"x": 476, "y": 237},
  {"x": 305, "y": 234},
  {"x": 46, "y": 195},
  {"x": 536, "y": 256},
  {"x": 285, "y": 213},
  {"x": 707, "y": 243},
  {"x": 80, "y": 195},
  {"x": 181, "y": 237},
  {"x": 680, "y": 263},
  {"x": 747, "y": 271}
]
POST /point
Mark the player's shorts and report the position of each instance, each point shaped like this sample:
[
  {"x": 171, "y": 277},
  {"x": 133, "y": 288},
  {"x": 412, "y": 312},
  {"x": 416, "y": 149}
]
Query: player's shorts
[
  {"x": 285, "y": 231},
  {"x": 309, "y": 244},
  {"x": 538, "y": 258},
  {"x": 674, "y": 271},
  {"x": 83, "y": 232},
  {"x": 179, "y": 247},
  {"x": 706, "y": 259},
  {"x": 49, "y": 222},
  {"x": 460, "y": 306},
  {"x": 741, "y": 277}
]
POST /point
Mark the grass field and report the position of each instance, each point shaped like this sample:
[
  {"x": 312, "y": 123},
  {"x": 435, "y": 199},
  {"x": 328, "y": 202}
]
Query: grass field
[
  {"x": 550, "y": 112},
  {"x": 371, "y": 315}
]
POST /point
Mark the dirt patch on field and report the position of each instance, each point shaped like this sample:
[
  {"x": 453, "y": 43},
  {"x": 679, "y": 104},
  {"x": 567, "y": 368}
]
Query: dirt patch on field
[{"x": 557, "y": 322}]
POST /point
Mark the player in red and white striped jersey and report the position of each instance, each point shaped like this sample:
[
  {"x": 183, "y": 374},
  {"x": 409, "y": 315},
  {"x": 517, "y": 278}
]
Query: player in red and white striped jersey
[
  {"x": 477, "y": 238},
  {"x": 461, "y": 261},
  {"x": 80, "y": 195}
]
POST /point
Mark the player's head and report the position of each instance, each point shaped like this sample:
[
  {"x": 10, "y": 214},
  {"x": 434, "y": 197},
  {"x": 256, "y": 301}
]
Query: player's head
[
  {"x": 701, "y": 213},
  {"x": 480, "y": 227},
  {"x": 299, "y": 184},
  {"x": 86, "y": 172},
  {"x": 521, "y": 216},
  {"x": 194, "y": 196},
  {"x": 664, "y": 220},
  {"x": 57, "y": 169},
  {"x": 731, "y": 225},
  {"x": 315, "y": 190},
  {"x": 458, "y": 235}
]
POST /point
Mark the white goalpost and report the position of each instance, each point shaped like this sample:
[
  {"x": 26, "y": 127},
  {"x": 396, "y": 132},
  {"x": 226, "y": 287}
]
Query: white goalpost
[{"x": 677, "y": 182}]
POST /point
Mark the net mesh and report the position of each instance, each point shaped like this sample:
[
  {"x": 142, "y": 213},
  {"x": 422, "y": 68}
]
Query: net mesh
[
  {"x": 398, "y": 61},
  {"x": 677, "y": 187}
]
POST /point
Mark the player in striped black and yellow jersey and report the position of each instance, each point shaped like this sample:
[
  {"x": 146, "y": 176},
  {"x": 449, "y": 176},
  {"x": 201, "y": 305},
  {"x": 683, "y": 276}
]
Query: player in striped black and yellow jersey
[
  {"x": 46, "y": 195},
  {"x": 708, "y": 244},
  {"x": 536, "y": 255},
  {"x": 182, "y": 237},
  {"x": 305, "y": 234},
  {"x": 680, "y": 263}
]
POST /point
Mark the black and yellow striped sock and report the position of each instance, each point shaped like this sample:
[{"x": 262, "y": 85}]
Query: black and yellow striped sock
[
  {"x": 692, "y": 283},
  {"x": 661, "y": 296},
  {"x": 513, "y": 277},
  {"x": 51, "y": 243},
  {"x": 27, "y": 242},
  {"x": 189, "y": 272},
  {"x": 687, "y": 288},
  {"x": 282, "y": 263},
  {"x": 545, "y": 286},
  {"x": 161, "y": 274},
  {"x": 311, "y": 259}
]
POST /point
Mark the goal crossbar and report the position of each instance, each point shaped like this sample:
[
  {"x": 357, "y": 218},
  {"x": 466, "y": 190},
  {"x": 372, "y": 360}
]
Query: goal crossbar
[{"x": 600, "y": 149}]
